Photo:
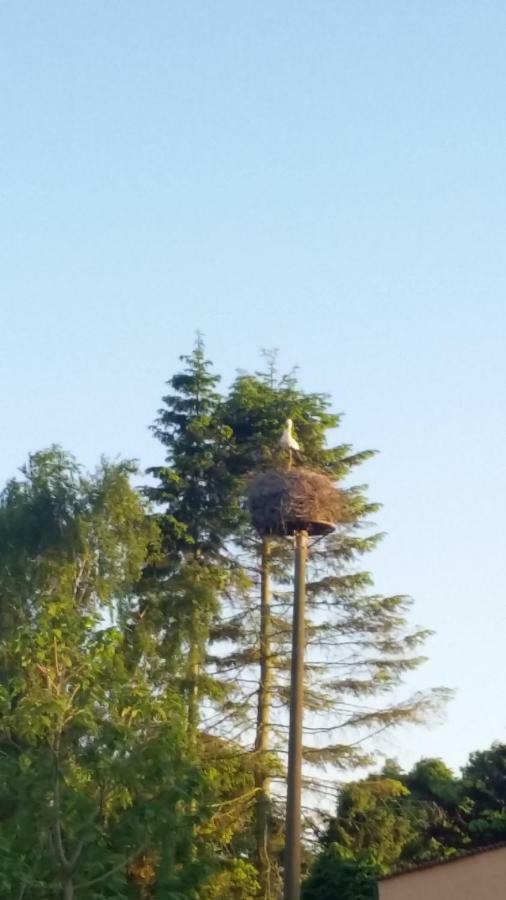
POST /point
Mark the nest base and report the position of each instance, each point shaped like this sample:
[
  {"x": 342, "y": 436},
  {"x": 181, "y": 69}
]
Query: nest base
[{"x": 283, "y": 503}]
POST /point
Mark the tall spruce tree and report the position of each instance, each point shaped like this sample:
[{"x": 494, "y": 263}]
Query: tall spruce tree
[
  {"x": 358, "y": 643},
  {"x": 255, "y": 410},
  {"x": 196, "y": 507}
]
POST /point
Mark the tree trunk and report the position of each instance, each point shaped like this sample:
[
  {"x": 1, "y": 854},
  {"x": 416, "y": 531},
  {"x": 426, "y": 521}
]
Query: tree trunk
[
  {"x": 192, "y": 724},
  {"x": 193, "y": 695},
  {"x": 166, "y": 865},
  {"x": 263, "y": 802},
  {"x": 68, "y": 888}
]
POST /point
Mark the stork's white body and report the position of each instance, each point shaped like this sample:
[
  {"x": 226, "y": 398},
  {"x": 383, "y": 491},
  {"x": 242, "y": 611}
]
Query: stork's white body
[{"x": 287, "y": 440}]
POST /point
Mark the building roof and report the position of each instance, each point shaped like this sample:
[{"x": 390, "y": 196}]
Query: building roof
[{"x": 432, "y": 863}]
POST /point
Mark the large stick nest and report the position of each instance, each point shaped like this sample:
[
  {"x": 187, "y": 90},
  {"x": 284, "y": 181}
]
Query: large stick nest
[{"x": 283, "y": 502}]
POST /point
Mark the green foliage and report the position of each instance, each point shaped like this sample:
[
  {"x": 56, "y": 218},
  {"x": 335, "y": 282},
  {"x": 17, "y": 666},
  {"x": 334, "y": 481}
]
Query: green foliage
[
  {"x": 196, "y": 505},
  {"x": 197, "y": 508},
  {"x": 402, "y": 819},
  {"x": 371, "y": 819},
  {"x": 194, "y": 488},
  {"x": 92, "y": 754},
  {"x": 484, "y": 782},
  {"x": 338, "y": 874},
  {"x": 236, "y": 881},
  {"x": 255, "y": 411}
]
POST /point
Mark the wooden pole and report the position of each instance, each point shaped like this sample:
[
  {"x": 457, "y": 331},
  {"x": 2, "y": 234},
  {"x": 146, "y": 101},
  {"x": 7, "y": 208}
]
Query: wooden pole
[
  {"x": 292, "y": 862},
  {"x": 263, "y": 728}
]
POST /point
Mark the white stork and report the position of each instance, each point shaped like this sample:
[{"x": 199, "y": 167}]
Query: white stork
[{"x": 289, "y": 443}]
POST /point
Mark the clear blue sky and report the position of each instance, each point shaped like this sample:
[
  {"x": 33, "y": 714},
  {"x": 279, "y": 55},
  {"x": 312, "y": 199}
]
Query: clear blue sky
[{"x": 328, "y": 178}]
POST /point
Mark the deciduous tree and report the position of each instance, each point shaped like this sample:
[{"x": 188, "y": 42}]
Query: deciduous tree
[{"x": 92, "y": 754}]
